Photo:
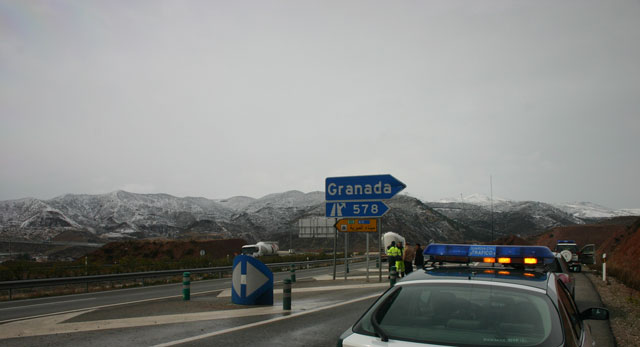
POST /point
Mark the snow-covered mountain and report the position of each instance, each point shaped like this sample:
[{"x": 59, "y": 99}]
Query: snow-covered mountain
[
  {"x": 591, "y": 210},
  {"x": 124, "y": 215},
  {"x": 520, "y": 217},
  {"x": 577, "y": 209},
  {"x": 475, "y": 199}
]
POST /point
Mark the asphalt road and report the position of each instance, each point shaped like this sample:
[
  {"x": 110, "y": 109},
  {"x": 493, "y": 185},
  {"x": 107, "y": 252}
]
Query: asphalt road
[
  {"x": 586, "y": 297},
  {"x": 318, "y": 328},
  {"x": 317, "y": 317},
  {"x": 21, "y": 309},
  {"x": 157, "y": 316}
]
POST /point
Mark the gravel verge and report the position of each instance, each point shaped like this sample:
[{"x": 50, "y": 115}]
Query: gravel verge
[{"x": 623, "y": 304}]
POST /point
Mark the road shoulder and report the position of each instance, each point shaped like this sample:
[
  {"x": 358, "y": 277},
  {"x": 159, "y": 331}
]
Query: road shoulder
[{"x": 623, "y": 304}]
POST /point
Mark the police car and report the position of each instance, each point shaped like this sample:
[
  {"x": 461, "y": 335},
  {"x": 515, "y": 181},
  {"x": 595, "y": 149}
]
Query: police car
[{"x": 476, "y": 295}]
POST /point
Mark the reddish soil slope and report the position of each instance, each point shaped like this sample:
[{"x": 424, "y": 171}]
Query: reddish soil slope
[
  {"x": 619, "y": 238},
  {"x": 511, "y": 240},
  {"x": 168, "y": 249}
]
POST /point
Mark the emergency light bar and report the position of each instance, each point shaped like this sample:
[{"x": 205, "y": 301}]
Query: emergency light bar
[
  {"x": 488, "y": 273},
  {"x": 529, "y": 255},
  {"x": 566, "y": 241}
]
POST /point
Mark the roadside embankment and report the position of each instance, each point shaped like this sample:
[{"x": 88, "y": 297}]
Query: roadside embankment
[{"x": 623, "y": 304}]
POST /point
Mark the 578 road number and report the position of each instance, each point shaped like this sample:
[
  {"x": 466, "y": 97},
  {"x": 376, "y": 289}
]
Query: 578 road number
[
  {"x": 357, "y": 209},
  {"x": 364, "y": 207}
]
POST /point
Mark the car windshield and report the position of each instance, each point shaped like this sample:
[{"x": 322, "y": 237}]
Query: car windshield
[{"x": 465, "y": 315}]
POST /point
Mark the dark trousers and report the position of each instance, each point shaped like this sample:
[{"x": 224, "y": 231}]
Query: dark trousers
[
  {"x": 408, "y": 267},
  {"x": 392, "y": 262}
]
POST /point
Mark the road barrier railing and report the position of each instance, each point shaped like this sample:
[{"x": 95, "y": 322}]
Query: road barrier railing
[{"x": 220, "y": 270}]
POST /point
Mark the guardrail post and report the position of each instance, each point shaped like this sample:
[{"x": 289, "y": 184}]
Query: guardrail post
[
  {"x": 186, "y": 286},
  {"x": 293, "y": 273},
  {"x": 392, "y": 276},
  {"x": 286, "y": 295}
]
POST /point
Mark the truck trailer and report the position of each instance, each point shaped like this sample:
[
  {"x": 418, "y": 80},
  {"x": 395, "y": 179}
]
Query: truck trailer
[
  {"x": 261, "y": 248},
  {"x": 391, "y": 236}
]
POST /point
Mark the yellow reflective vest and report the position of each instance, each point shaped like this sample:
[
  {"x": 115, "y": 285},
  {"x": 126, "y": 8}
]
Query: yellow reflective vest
[{"x": 394, "y": 252}]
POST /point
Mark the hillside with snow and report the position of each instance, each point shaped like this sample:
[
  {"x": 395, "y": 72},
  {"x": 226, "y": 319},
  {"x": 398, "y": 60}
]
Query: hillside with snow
[
  {"x": 595, "y": 211},
  {"x": 123, "y": 215},
  {"x": 505, "y": 217}
]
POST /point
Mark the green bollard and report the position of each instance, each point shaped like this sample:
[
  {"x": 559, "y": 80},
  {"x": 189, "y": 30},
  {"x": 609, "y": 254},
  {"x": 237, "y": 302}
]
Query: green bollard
[
  {"x": 377, "y": 263},
  {"x": 293, "y": 273},
  {"x": 286, "y": 295},
  {"x": 392, "y": 277},
  {"x": 186, "y": 286}
]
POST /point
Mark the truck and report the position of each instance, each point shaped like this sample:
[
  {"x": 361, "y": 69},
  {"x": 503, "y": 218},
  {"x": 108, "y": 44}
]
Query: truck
[
  {"x": 391, "y": 236},
  {"x": 261, "y": 248}
]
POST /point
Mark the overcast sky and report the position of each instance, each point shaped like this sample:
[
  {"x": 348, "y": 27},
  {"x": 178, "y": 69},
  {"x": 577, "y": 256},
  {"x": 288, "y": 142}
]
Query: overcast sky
[{"x": 226, "y": 98}]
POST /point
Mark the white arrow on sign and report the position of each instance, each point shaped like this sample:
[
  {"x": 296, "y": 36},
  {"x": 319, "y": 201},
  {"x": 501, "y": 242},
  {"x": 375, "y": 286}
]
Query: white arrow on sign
[{"x": 254, "y": 279}]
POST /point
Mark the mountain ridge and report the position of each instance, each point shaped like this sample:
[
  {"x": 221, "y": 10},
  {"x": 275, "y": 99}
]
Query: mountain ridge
[{"x": 125, "y": 215}]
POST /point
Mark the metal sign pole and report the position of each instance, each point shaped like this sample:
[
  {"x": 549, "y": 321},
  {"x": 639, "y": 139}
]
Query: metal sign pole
[
  {"x": 367, "y": 257},
  {"x": 346, "y": 246},
  {"x": 379, "y": 248},
  {"x": 335, "y": 251}
]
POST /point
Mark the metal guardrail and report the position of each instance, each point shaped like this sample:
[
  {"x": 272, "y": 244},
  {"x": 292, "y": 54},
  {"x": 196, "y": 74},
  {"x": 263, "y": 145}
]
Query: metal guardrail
[{"x": 48, "y": 282}]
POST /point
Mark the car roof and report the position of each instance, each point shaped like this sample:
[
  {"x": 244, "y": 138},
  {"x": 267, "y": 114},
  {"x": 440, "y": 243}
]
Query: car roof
[{"x": 527, "y": 278}]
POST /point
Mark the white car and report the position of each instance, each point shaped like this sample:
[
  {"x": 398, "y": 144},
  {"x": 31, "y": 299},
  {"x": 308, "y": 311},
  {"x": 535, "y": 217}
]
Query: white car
[{"x": 491, "y": 296}]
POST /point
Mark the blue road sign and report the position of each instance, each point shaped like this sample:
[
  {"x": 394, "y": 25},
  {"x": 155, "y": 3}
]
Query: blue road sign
[
  {"x": 252, "y": 282},
  {"x": 374, "y": 187},
  {"x": 356, "y": 209}
]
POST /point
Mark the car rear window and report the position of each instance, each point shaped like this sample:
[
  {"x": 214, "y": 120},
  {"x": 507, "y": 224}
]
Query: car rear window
[
  {"x": 569, "y": 247},
  {"x": 466, "y": 315}
]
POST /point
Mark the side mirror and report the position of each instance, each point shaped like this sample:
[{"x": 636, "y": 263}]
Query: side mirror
[{"x": 595, "y": 313}]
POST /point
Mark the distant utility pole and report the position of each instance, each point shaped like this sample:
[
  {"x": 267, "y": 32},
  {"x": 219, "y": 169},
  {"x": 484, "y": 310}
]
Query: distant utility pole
[{"x": 491, "y": 187}]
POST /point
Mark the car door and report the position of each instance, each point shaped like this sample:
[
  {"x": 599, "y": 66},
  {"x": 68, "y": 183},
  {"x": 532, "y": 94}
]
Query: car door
[{"x": 587, "y": 254}]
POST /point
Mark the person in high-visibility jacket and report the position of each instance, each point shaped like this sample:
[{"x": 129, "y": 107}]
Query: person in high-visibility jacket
[
  {"x": 393, "y": 254},
  {"x": 399, "y": 261}
]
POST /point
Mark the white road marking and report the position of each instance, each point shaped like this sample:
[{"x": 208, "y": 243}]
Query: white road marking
[
  {"x": 225, "y": 331},
  {"x": 102, "y": 306},
  {"x": 43, "y": 304},
  {"x": 56, "y": 324},
  {"x": 227, "y": 292}
]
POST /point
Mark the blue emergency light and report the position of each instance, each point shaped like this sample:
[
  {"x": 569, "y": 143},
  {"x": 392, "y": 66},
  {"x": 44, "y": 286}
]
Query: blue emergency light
[
  {"x": 529, "y": 255},
  {"x": 566, "y": 241},
  {"x": 490, "y": 273}
]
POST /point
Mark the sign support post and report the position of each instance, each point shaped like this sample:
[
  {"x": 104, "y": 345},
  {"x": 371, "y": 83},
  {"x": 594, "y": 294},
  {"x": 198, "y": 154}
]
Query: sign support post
[
  {"x": 346, "y": 246},
  {"x": 367, "y": 257},
  {"x": 379, "y": 250},
  {"x": 335, "y": 250}
]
